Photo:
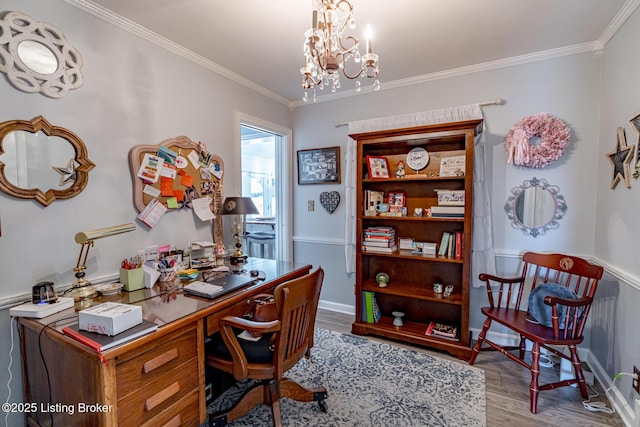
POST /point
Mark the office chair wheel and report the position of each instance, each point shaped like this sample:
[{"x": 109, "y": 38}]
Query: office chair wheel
[{"x": 323, "y": 406}]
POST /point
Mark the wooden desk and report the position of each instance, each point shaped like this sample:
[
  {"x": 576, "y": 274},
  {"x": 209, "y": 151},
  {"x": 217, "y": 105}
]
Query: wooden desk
[{"x": 156, "y": 380}]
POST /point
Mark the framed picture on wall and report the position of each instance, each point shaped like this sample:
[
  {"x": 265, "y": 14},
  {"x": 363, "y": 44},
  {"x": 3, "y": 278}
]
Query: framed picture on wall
[{"x": 319, "y": 166}]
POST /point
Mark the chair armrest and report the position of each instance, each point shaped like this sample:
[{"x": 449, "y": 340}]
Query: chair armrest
[
  {"x": 504, "y": 282},
  {"x": 227, "y": 323},
  {"x": 578, "y": 302}
]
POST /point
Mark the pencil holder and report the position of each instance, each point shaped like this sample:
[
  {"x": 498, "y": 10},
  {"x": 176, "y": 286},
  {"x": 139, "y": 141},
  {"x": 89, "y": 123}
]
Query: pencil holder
[{"x": 132, "y": 279}]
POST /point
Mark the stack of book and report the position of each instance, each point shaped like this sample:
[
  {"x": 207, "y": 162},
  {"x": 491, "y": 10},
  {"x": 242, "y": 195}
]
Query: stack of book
[
  {"x": 370, "y": 310},
  {"x": 447, "y": 211},
  {"x": 451, "y": 244},
  {"x": 379, "y": 240},
  {"x": 442, "y": 330}
]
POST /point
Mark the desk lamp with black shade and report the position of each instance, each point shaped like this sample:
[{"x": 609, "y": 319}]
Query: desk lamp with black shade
[
  {"x": 240, "y": 207},
  {"x": 82, "y": 289}
]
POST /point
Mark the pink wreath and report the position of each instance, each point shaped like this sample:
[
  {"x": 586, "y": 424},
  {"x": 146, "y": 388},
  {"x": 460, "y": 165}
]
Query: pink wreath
[{"x": 553, "y": 135}]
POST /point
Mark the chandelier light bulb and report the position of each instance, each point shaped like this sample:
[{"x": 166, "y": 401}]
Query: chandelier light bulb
[
  {"x": 358, "y": 86},
  {"x": 376, "y": 85}
]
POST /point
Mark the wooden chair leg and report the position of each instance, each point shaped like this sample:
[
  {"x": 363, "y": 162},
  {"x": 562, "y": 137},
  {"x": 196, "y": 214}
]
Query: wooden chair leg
[
  {"x": 534, "y": 389},
  {"x": 272, "y": 398},
  {"x": 476, "y": 348},
  {"x": 577, "y": 368},
  {"x": 523, "y": 347},
  {"x": 293, "y": 390}
]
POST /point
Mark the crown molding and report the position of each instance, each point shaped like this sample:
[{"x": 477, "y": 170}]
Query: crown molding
[
  {"x": 616, "y": 23},
  {"x": 596, "y": 46},
  {"x": 140, "y": 31}
]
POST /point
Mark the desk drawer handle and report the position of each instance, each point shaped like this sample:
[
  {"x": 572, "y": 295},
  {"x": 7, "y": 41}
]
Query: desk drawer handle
[
  {"x": 163, "y": 359},
  {"x": 165, "y": 394},
  {"x": 174, "y": 422}
]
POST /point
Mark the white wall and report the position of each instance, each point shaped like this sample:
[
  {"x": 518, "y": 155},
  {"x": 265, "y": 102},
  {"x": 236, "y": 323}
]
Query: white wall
[
  {"x": 134, "y": 93},
  {"x": 614, "y": 336},
  {"x": 565, "y": 87}
]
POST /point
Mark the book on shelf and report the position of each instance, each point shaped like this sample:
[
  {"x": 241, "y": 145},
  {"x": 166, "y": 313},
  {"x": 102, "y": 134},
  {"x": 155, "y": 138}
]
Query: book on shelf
[
  {"x": 371, "y": 310},
  {"x": 441, "y": 330},
  {"x": 378, "y": 249},
  {"x": 378, "y": 243},
  {"x": 100, "y": 343},
  {"x": 459, "y": 210},
  {"x": 444, "y": 243}
]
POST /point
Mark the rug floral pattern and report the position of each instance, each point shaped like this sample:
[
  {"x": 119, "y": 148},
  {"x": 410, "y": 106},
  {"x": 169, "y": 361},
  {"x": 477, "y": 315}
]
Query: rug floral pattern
[{"x": 374, "y": 383}]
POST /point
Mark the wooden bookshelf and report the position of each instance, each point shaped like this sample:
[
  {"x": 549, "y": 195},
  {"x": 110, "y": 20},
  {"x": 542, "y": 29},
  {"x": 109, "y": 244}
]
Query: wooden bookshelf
[{"x": 410, "y": 289}]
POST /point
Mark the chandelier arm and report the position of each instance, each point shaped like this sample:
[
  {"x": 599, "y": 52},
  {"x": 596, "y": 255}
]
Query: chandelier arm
[{"x": 353, "y": 48}]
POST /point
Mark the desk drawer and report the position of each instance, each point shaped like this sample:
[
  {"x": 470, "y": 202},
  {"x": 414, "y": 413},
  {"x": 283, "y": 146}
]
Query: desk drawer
[
  {"x": 159, "y": 396},
  {"x": 134, "y": 375},
  {"x": 183, "y": 413}
]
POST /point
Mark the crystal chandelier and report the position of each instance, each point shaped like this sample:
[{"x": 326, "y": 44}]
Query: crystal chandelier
[{"x": 327, "y": 49}]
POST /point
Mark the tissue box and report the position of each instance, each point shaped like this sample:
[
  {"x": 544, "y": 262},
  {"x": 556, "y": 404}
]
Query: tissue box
[
  {"x": 132, "y": 279},
  {"x": 109, "y": 318}
]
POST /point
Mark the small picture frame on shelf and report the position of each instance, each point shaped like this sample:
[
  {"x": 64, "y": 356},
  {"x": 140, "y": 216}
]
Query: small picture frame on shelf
[
  {"x": 406, "y": 242},
  {"x": 378, "y": 167},
  {"x": 397, "y": 198},
  {"x": 452, "y": 166}
]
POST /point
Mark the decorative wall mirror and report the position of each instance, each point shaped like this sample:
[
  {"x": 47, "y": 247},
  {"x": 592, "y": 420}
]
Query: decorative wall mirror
[
  {"x": 535, "y": 207},
  {"x": 40, "y": 161},
  {"x": 36, "y": 57}
]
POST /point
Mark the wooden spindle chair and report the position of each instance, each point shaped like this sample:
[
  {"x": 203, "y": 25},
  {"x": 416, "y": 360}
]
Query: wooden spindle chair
[{"x": 568, "y": 316}]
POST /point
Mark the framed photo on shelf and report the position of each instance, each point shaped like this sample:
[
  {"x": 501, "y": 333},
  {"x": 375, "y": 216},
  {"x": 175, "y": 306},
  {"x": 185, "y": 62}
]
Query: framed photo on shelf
[
  {"x": 378, "y": 167},
  {"x": 397, "y": 198},
  {"x": 452, "y": 166},
  {"x": 319, "y": 166}
]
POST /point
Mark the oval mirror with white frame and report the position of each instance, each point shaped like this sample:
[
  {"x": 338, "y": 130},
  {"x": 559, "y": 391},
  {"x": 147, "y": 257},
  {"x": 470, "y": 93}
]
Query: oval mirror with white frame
[
  {"x": 36, "y": 57},
  {"x": 42, "y": 162},
  {"x": 535, "y": 207}
]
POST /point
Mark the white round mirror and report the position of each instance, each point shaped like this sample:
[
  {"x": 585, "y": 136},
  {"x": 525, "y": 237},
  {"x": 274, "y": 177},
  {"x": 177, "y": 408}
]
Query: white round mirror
[{"x": 38, "y": 57}]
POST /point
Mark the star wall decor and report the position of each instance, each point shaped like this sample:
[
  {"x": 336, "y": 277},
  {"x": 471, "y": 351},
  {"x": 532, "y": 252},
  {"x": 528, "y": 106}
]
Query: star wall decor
[
  {"x": 68, "y": 173},
  {"x": 621, "y": 159},
  {"x": 634, "y": 123}
]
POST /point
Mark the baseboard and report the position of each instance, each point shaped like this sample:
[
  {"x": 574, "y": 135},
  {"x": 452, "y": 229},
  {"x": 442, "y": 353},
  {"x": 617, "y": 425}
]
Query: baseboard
[
  {"x": 337, "y": 307},
  {"x": 618, "y": 401}
]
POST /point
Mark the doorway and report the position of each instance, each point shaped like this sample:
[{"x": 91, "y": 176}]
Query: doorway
[{"x": 265, "y": 176}]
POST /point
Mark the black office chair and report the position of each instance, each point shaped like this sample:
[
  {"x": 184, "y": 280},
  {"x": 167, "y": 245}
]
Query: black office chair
[{"x": 283, "y": 343}]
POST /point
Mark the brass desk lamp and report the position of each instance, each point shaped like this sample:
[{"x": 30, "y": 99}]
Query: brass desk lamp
[
  {"x": 83, "y": 289},
  {"x": 239, "y": 206}
]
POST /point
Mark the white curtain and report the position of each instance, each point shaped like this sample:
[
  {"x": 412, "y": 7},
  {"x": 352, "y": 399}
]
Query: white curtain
[{"x": 483, "y": 256}]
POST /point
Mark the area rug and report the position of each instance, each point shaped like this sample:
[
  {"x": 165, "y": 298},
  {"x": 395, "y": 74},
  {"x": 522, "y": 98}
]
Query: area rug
[{"x": 374, "y": 383}]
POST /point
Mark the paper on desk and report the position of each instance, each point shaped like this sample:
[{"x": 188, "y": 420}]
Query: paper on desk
[{"x": 201, "y": 208}]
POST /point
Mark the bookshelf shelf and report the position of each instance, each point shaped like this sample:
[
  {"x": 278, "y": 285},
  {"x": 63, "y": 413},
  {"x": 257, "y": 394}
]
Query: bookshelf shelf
[
  {"x": 402, "y": 289},
  {"x": 412, "y": 275}
]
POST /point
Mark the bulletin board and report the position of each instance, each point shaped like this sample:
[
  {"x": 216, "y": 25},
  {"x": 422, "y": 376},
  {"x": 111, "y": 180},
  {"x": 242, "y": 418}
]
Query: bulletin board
[{"x": 198, "y": 173}]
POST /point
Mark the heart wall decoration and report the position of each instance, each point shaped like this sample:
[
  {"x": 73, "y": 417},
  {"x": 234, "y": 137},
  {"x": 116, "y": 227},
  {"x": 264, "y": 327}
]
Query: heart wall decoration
[{"x": 330, "y": 200}]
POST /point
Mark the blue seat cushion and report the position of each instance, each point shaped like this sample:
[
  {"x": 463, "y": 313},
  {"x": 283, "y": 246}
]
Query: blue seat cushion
[{"x": 540, "y": 311}]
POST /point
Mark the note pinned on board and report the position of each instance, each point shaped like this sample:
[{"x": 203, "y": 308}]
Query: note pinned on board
[
  {"x": 202, "y": 209},
  {"x": 187, "y": 180},
  {"x": 172, "y": 202}
]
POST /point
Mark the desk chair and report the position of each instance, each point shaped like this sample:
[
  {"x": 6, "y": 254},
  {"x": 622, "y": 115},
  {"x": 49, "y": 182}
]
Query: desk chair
[
  {"x": 569, "y": 284},
  {"x": 283, "y": 343},
  {"x": 261, "y": 244}
]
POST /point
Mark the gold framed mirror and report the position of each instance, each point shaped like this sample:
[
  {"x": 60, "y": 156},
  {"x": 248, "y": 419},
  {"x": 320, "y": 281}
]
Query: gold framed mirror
[{"x": 41, "y": 161}]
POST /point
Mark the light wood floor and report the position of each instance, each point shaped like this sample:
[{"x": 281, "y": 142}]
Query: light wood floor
[{"x": 508, "y": 389}]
